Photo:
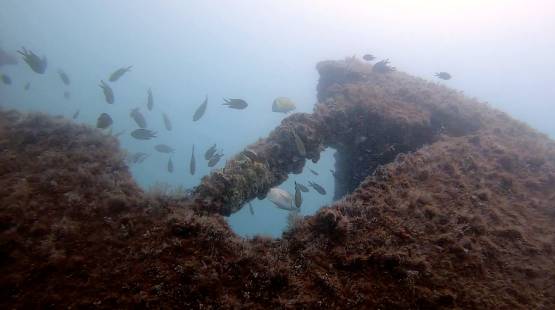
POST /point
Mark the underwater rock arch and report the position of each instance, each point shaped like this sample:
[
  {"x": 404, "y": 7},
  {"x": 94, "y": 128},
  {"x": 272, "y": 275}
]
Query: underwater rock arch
[{"x": 368, "y": 117}]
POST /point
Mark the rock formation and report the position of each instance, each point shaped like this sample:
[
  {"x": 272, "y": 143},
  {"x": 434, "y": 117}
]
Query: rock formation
[{"x": 445, "y": 203}]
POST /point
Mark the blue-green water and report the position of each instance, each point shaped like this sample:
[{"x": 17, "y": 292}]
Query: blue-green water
[{"x": 500, "y": 52}]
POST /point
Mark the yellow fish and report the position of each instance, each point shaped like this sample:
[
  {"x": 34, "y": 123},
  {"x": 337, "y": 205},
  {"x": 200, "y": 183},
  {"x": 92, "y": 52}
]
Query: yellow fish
[{"x": 283, "y": 105}]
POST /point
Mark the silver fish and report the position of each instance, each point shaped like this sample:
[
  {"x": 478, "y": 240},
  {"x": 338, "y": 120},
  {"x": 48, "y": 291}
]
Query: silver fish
[
  {"x": 76, "y": 114},
  {"x": 210, "y": 152},
  {"x": 200, "y": 110},
  {"x": 215, "y": 159},
  {"x": 192, "y": 164},
  {"x": 281, "y": 199},
  {"x": 143, "y": 134},
  {"x": 298, "y": 196},
  {"x": 150, "y": 100},
  {"x": 136, "y": 158},
  {"x": 383, "y": 67},
  {"x": 167, "y": 122},
  {"x": 138, "y": 117},
  {"x": 6, "y": 79},
  {"x": 170, "y": 165},
  {"x": 104, "y": 121},
  {"x": 36, "y": 64},
  {"x": 368, "y": 57},
  {"x": 163, "y": 148},
  {"x": 317, "y": 187},
  {"x": 118, "y": 73},
  {"x": 313, "y": 172},
  {"x": 108, "y": 92},
  {"x": 238, "y": 104},
  {"x": 64, "y": 77},
  {"x": 299, "y": 143},
  {"x": 443, "y": 75},
  {"x": 303, "y": 188},
  {"x": 27, "y": 86},
  {"x": 251, "y": 210}
]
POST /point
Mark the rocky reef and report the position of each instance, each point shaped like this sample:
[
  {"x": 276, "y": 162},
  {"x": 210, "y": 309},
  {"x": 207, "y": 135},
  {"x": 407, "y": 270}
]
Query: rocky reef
[{"x": 443, "y": 202}]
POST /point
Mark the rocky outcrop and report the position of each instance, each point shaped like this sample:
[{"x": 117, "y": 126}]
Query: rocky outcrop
[{"x": 447, "y": 203}]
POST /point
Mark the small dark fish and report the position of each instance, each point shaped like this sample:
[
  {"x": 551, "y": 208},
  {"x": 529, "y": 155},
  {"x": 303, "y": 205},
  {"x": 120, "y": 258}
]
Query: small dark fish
[
  {"x": 104, "y": 121},
  {"x": 76, "y": 114},
  {"x": 215, "y": 159},
  {"x": 303, "y": 188},
  {"x": 299, "y": 143},
  {"x": 368, "y": 57},
  {"x": 313, "y": 172},
  {"x": 170, "y": 165},
  {"x": 118, "y": 73},
  {"x": 383, "y": 67},
  {"x": 238, "y": 104},
  {"x": 27, "y": 86},
  {"x": 36, "y": 64},
  {"x": 443, "y": 75},
  {"x": 163, "y": 148},
  {"x": 67, "y": 95},
  {"x": 192, "y": 164},
  {"x": 6, "y": 79},
  {"x": 136, "y": 158},
  {"x": 64, "y": 77},
  {"x": 210, "y": 152},
  {"x": 298, "y": 196},
  {"x": 200, "y": 110},
  {"x": 143, "y": 134},
  {"x": 251, "y": 210},
  {"x": 317, "y": 187},
  {"x": 167, "y": 122},
  {"x": 150, "y": 100},
  {"x": 138, "y": 117},
  {"x": 108, "y": 92}
]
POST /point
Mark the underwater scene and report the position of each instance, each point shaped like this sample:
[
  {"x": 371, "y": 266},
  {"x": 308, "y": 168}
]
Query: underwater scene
[{"x": 277, "y": 154}]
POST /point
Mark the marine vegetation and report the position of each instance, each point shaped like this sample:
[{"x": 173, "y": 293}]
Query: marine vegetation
[
  {"x": 37, "y": 64},
  {"x": 446, "y": 204}
]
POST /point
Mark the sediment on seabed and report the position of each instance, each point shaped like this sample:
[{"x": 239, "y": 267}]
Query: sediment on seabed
[{"x": 442, "y": 202}]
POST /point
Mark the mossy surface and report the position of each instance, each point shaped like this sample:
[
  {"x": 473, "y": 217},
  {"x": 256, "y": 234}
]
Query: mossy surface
[{"x": 453, "y": 208}]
